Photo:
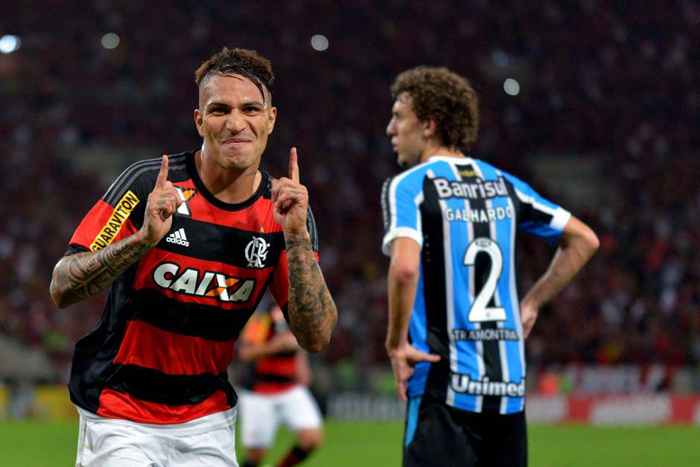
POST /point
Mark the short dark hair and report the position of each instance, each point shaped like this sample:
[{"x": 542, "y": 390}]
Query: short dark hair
[
  {"x": 238, "y": 61},
  {"x": 445, "y": 97}
]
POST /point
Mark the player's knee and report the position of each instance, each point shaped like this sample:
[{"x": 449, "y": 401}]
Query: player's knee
[{"x": 310, "y": 439}]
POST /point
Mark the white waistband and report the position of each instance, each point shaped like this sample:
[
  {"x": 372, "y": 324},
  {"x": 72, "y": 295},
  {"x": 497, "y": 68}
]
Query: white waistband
[{"x": 210, "y": 422}]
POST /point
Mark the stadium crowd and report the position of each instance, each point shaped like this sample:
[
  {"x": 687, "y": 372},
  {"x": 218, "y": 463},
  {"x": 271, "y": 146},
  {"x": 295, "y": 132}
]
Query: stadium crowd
[{"x": 608, "y": 81}]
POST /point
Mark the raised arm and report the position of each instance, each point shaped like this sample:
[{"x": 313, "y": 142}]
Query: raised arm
[
  {"x": 577, "y": 245},
  {"x": 83, "y": 275},
  {"x": 311, "y": 310}
]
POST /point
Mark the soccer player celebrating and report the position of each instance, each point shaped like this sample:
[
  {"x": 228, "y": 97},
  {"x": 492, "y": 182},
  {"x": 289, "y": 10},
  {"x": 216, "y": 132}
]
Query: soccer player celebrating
[
  {"x": 456, "y": 324},
  {"x": 189, "y": 244},
  {"x": 275, "y": 391}
]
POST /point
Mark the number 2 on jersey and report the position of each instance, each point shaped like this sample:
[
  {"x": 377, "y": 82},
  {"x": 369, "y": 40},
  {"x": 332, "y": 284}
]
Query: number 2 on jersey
[{"x": 480, "y": 311}]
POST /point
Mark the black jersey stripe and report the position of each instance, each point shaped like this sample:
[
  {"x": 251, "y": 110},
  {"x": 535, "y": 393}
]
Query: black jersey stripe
[
  {"x": 270, "y": 378},
  {"x": 433, "y": 261},
  {"x": 482, "y": 270},
  {"x": 189, "y": 319},
  {"x": 535, "y": 215},
  {"x": 204, "y": 242},
  {"x": 153, "y": 386},
  {"x": 386, "y": 204},
  {"x": 526, "y": 211},
  {"x": 117, "y": 188},
  {"x": 515, "y": 199},
  {"x": 136, "y": 170},
  {"x": 128, "y": 176}
]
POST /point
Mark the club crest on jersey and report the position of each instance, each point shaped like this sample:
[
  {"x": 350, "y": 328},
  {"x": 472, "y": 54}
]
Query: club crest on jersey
[
  {"x": 212, "y": 284},
  {"x": 256, "y": 252}
]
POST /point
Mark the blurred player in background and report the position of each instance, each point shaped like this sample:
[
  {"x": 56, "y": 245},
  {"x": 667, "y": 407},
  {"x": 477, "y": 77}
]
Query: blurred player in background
[
  {"x": 276, "y": 391},
  {"x": 189, "y": 244},
  {"x": 456, "y": 324}
]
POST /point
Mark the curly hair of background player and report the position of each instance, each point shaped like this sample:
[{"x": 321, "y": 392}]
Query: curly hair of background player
[{"x": 445, "y": 97}]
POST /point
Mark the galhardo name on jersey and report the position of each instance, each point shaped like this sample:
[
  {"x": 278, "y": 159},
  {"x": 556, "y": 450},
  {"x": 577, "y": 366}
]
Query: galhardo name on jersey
[{"x": 479, "y": 189}]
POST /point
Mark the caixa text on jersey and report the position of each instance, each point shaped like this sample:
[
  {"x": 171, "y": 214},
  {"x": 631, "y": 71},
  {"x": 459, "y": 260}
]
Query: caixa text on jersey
[{"x": 203, "y": 283}]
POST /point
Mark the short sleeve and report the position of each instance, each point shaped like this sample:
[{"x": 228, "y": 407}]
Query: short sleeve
[
  {"x": 119, "y": 213},
  {"x": 401, "y": 199},
  {"x": 536, "y": 215}
]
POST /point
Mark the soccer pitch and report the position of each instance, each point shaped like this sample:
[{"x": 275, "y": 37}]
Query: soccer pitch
[{"x": 36, "y": 444}]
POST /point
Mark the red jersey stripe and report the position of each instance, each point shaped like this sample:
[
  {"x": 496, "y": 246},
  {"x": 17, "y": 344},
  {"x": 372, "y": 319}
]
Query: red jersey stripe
[
  {"x": 272, "y": 388},
  {"x": 282, "y": 366},
  {"x": 149, "y": 347},
  {"x": 114, "y": 404}
]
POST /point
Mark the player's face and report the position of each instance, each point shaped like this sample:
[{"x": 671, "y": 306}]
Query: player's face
[
  {"x": 406, "y": 132},
  {"x": 235, "y": 119}
]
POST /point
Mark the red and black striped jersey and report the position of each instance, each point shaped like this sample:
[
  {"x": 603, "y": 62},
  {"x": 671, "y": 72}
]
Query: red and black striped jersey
[
  {"x": 163, "y": 345},
  {"x": 274, "y": 373}
]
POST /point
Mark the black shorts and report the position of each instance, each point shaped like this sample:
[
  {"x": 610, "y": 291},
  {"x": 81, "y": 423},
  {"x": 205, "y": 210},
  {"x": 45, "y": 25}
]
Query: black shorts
[{"x": 437, "y": 434}]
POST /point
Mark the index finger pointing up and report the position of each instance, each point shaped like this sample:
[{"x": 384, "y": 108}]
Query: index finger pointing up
[
  {"x": 163, "y": 173},
  {"x": 293, "y": 166}
]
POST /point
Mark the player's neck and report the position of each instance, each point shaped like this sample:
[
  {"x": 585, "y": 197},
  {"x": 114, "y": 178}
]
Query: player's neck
[
  {"x": 229, "y": 186},
  {"x": 439, "y": 150}
]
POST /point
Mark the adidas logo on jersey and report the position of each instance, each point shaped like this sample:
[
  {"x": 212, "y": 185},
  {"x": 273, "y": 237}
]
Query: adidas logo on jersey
[{"x": 178, "y": 237}]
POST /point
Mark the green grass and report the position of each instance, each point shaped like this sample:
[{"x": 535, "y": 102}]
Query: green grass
[{"x": 36, "y": 444}]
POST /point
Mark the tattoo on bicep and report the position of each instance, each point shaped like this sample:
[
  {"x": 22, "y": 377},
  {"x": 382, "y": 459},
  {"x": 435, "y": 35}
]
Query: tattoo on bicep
[
  {"x": 84, "y": 275},
  {"x": 314, "y": 310}
]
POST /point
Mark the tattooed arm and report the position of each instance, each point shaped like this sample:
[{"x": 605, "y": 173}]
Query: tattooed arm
[
  {"x": 312, "y": 312},
  {"x": 83, "y": 275}
]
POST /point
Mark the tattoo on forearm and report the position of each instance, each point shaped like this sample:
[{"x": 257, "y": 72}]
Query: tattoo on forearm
[
  {"x": 311, "y": 308},
  {"x": 84, "y": 275}
]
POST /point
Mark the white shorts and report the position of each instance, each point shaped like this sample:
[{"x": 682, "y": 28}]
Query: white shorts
[
  {"x": 261, "y": 414},
  {"x": 108, "y": 442}
]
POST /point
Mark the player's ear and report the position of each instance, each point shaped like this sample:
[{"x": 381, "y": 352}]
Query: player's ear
[
  {"x": 429, "y": 128},
  {"x": 271, "y": 119},
  {"x": 198, "y": 121}
]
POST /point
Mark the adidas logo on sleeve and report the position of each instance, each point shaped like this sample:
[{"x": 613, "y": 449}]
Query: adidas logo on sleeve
[{"x": 178, "y": 237}]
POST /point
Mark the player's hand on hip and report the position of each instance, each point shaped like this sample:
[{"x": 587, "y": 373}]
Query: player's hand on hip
[
  {"x": 291, "y": 199},
  {"x": 162, "y": 204},
  {"x": 403, "y": 361},
  {"x": 529, "y": 316}
]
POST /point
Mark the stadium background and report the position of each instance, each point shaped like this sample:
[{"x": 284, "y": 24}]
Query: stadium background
[{"x": 596, "y": 102}]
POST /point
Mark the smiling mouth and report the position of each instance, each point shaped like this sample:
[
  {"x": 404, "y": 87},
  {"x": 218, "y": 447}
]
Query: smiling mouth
[{"x": 236, "y": 142}]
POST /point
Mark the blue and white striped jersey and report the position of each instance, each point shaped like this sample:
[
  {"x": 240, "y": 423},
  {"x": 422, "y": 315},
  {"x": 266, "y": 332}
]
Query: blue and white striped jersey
[{"x": 465, "y": 214}]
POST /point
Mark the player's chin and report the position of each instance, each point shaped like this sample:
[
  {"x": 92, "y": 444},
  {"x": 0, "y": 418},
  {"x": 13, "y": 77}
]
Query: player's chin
[{"x": 239, "y": 160}]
